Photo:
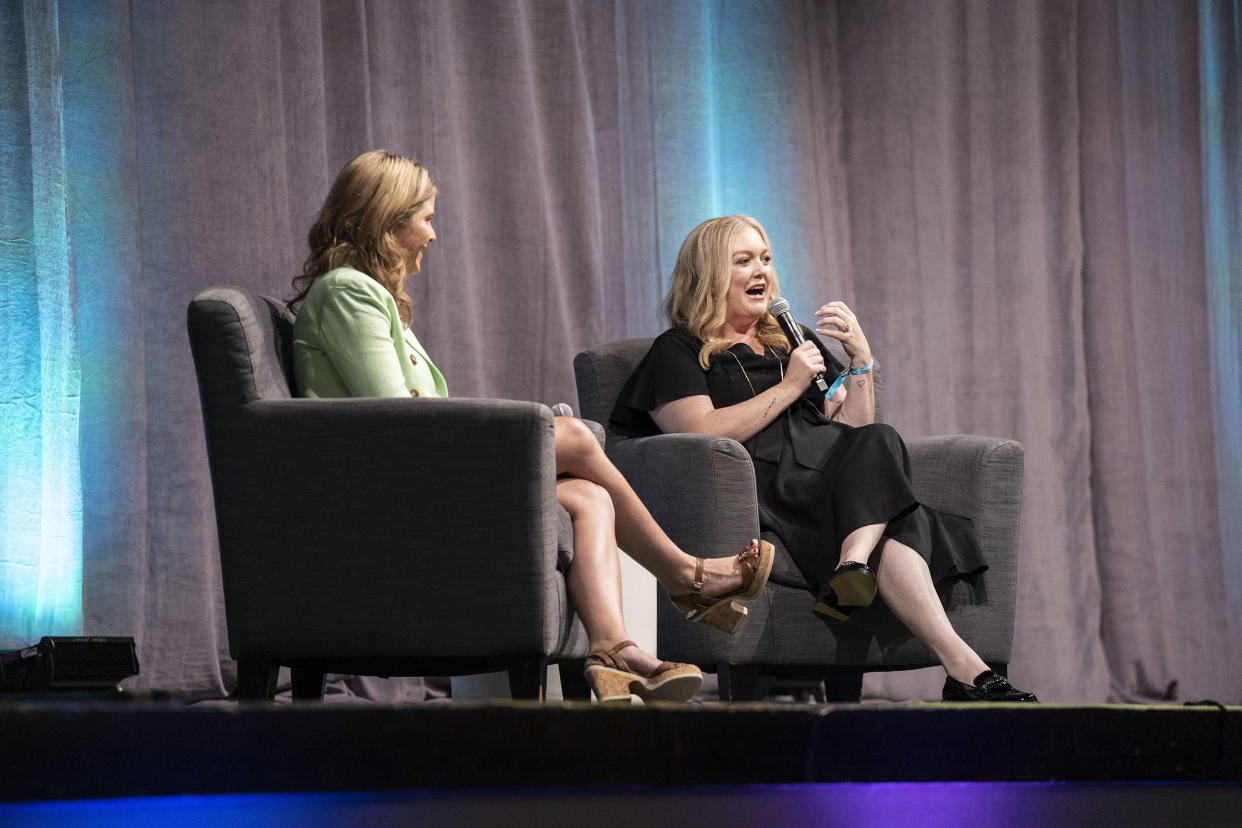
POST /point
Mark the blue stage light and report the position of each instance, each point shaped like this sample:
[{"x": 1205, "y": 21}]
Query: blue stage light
[
  {"x": 1220, "y": 72},
  {"x": 863, "y": 805},
  {"x": 40, "y": 476}
]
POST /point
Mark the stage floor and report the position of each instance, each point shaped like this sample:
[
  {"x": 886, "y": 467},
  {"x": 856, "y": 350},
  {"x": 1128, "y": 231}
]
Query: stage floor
[{"x": 58, "y": 750}]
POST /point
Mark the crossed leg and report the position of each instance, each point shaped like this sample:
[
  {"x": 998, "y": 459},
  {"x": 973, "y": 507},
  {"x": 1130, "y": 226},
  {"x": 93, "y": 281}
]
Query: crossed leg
[
  {"x": 904, "y": 582},
  {"x": 578, "y": 454}
]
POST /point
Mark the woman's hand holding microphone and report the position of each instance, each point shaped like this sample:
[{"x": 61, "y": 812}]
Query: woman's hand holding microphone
[
  {"x": 805, "y": 362},
  {"x": 834, "y": 320}
]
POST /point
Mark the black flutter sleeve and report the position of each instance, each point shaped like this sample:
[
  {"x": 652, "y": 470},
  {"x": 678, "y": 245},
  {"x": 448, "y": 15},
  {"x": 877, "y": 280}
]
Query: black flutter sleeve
[{"x": 669, "y": 371}]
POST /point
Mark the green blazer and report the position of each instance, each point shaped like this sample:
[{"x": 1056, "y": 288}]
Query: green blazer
[{"x": 348, "y": 341}]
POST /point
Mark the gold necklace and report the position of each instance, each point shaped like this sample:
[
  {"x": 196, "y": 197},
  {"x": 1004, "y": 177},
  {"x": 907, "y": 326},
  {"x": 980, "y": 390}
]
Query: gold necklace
[{"x": 779, "y": 364}]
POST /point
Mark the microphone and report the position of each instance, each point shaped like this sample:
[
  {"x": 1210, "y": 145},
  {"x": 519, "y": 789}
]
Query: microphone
[
  {"x": 779, "y": 307},
  {"x": 562, "y": 410}
]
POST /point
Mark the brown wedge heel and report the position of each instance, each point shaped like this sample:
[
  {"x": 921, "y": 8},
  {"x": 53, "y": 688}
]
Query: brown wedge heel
[
  {"x": 722, "y": 612},
  {"x": 615, "y": 683}
]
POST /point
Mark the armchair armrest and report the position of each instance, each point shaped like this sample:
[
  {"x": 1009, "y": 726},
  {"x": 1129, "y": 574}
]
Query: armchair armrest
[
  {"x": 966, "y": 474},
  {"x": 979, "y": 478},
  {"x": 700, "y": 488},
  {"x": 465, "y": 527}
]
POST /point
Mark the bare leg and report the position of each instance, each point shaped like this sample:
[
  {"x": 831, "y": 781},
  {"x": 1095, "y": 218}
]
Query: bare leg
[
  {"x": 905, "y": 583},
  {"x": 578, "y": 454},
  {"x": 594, "y": 578},
  {"x": 860, "y": 543}
]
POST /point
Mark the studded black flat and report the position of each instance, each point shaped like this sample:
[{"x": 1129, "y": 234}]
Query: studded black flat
[{"x": 989, "y": 686}]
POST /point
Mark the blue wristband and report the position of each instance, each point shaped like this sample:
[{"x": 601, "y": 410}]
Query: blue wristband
[
  {"x": 866, "y": 369},
  {"x": 836, "y": 384}
]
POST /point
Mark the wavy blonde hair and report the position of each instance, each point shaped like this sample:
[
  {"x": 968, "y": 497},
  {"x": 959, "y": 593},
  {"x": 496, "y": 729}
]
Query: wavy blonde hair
[
  {"x": 697, "y": 297},
  {"x": 372, "y": 197}
]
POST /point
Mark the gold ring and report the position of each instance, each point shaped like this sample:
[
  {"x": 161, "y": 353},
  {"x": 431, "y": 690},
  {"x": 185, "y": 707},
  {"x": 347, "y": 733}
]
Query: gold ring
[{"x": 845, "y": 327}]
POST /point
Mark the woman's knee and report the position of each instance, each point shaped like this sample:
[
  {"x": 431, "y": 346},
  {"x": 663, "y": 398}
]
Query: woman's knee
[
  {"x": 582, "y": 497},
  {"x": 573, "y": 439}
]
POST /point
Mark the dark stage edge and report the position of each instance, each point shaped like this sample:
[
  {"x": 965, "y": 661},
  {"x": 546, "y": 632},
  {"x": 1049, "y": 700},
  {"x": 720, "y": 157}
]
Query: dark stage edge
[{"x": 78, "y": 750}]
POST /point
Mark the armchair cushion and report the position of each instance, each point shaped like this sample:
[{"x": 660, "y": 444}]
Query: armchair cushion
[{"x": 386, "y": 513}]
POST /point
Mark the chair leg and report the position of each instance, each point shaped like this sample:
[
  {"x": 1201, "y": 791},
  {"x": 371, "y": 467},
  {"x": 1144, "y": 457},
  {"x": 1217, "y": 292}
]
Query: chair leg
[
  {"x": 308, "y": 684},
  {"x": 256, "y": 679},
  {"x": 528, "y": 678},
  {"x": 573, "y": 682},
  {"x": 843, "y": 686},
  {"x": 811, "y": 693},
  {"x": 738, "y": 682}
]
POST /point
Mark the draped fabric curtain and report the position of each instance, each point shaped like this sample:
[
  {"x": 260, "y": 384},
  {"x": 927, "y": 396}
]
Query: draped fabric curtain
[
  {"x": 1220, "y": 39},
  {"x": 40, "y": 473},
  {"x": 1146, "y": 333},
  {"x": 1010, "y": 195}
]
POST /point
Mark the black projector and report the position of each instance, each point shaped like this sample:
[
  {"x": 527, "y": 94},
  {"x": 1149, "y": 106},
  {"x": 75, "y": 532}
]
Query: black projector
[{"x": 76, "y": 662}]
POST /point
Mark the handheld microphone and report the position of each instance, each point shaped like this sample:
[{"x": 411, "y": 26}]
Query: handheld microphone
[
  {"x": 779, "y": 308},
  {"x": 562, "y": 410}
]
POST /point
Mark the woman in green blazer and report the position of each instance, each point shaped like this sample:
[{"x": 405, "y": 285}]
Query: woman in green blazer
[{"x": 352, "y": 338}]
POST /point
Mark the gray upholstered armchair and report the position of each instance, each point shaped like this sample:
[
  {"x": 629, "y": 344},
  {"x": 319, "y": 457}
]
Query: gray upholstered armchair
[
  {"x": 701, "y": 489},
  {"x": 375, "y": 536}
]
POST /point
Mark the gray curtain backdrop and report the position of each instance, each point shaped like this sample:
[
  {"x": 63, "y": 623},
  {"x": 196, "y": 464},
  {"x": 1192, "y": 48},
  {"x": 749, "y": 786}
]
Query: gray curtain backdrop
[{"x": 1008, "y": 194}]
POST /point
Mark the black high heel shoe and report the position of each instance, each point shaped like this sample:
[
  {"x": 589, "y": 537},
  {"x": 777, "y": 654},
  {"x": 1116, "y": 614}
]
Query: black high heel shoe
[
  {"x": 851, "y": 586},
  {"x": 989, "y": 686}
]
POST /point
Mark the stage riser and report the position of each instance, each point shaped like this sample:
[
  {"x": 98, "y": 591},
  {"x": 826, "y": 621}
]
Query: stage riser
[{"x": 56, "y": 751}]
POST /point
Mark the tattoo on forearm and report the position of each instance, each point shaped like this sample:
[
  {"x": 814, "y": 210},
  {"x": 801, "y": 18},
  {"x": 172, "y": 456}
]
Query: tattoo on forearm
[
  {"x": 861, "y": 383},
  {"x": 771, "y": 403}
]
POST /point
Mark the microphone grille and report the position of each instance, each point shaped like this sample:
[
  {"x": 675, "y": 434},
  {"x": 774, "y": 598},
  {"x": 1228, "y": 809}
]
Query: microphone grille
[
  {"x": 562, "y": 410},
  {"x": 778, "y": 306}
]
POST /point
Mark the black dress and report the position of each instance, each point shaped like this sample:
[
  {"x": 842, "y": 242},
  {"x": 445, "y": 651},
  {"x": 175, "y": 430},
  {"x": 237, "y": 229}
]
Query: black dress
[{"x": 817, "y": 480}]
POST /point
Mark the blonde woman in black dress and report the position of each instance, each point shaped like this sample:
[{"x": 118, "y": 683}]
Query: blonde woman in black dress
[{"x": 833, "y": 485}]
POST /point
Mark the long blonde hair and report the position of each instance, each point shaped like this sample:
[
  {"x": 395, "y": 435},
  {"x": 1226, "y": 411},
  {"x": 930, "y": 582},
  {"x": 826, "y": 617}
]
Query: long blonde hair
[
  {"x": 697, "y": 297},
  {"x": 372, "y": 196}
]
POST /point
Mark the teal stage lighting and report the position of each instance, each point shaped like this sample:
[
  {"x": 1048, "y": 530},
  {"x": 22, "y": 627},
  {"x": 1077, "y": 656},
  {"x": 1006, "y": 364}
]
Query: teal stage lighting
[{"x": 40, "y": 475}]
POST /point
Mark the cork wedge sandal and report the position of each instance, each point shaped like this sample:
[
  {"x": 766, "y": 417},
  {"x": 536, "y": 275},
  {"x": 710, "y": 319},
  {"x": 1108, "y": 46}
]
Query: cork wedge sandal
[
  {"x": 722, "y": 612},
  {"x": 615, "y": 683}
]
